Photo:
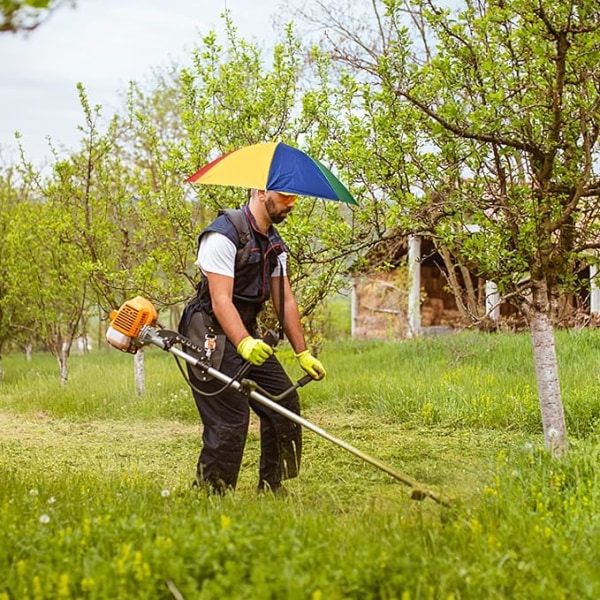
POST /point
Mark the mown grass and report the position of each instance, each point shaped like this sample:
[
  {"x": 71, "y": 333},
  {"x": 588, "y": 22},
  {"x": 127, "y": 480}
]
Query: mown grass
[{"x": 96, "y": 501}]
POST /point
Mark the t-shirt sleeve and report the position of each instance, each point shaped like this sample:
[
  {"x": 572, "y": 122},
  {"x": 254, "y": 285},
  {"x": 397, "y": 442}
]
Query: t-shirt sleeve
[
  {"x": 216, "y": 254},
  {"x": 281, "y": 265}
]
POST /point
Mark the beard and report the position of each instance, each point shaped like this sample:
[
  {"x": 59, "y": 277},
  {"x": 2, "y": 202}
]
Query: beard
[{"x": 276, "y": 214}]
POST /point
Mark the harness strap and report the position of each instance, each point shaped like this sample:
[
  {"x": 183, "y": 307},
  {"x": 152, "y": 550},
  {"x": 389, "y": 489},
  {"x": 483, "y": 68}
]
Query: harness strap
[{"x": 242, "y": 227}]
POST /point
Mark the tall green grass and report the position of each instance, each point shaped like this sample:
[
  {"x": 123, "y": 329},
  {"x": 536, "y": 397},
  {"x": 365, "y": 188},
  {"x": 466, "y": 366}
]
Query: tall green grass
[
  {"x": 96, "y": 501},
  {"x": 530, "y": 533},
  {"x": 462, "y": 380}
]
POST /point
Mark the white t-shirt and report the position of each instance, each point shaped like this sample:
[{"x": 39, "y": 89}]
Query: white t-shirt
[{"x": 217, "y": 255}]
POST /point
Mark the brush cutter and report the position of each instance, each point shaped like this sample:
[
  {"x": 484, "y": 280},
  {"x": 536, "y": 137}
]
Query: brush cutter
[{"x": 135, "y": 325}]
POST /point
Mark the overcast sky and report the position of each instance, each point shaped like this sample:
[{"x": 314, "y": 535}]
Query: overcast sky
[{"x": 104, "y": 44}]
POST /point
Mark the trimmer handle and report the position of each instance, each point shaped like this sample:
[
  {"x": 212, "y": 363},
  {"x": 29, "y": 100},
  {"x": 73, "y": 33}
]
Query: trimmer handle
[
  {"x": 302, "y": 382},
  {"x": 271, "y": 338}
]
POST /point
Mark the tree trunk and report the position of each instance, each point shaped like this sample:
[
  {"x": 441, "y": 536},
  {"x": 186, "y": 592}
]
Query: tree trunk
[
  {"x": 455, "y": 287},
  {"x": 139, "y": 372},
  {"x": 63, "y": 365},
  {"x": 101, "y": 329},
  {"x": 471, "y": 293},
  {"x": 546, "y": 370}
]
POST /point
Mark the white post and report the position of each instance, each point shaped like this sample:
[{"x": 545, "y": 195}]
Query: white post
[
  {"x": 414, "y": 277},
  {"x": 492, "y": 301},
  {"x": 139, "y": 372},
  {"x": 353, "y": 308},
  {"x": 594, "y": 291}
]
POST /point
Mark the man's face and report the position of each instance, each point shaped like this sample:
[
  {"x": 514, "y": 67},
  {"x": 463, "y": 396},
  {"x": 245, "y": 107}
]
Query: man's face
[{"x": 278, "y": 205}]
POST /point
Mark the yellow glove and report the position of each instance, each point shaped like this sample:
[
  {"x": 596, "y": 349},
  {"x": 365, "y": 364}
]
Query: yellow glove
[
  {"x": 311, "y": 365},
  {"x": 254, "y": 350}
]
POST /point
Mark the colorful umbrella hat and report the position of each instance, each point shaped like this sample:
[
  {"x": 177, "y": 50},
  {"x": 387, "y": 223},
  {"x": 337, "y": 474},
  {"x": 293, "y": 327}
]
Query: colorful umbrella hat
[{"x": 274, "y": 166}]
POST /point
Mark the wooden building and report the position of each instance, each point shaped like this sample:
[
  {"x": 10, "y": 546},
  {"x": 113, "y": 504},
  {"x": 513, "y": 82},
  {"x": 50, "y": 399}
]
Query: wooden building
[{"x": 411, "y": 290}]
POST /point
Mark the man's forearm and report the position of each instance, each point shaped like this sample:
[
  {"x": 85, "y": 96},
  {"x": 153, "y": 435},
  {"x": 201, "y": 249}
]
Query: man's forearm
[
  {"x": 230, "y": 321},
  {"x": 292, "y": 327},
  {"x": 221, "y": 294}
]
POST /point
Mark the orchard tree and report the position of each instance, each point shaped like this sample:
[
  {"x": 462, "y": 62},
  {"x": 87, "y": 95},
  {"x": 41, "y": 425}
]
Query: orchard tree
[
  {"x": 99, "y": 191},
  {"x": 504, "y": 97},
  {"x": 167, "y": 219},
  {"x": 18, "y": 323},
  {"x": 103, "y": 190},
  {"x": 70, "y": 242},
  {"x": 46, "y": 286},
  {"x": 120, "y": 244},
  {"x": 229, "y": 97},
  {"x": 10, "y": 196}
]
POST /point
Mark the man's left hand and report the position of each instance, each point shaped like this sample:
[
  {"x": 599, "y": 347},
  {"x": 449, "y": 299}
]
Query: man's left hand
[{"x": 311, "y": 365}]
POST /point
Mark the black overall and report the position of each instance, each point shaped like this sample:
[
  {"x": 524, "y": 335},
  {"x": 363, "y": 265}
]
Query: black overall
[{"x": 225, "y": 417}]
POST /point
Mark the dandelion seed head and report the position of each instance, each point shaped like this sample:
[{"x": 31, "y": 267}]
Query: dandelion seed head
[
  {"x": 51, "y": 500},
  {"x": 165, "y": 493},
  {"x": 33, "y": 492},
  {"x": 44, "y": 519}
]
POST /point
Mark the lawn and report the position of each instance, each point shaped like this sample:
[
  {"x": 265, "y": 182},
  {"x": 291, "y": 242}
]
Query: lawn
[{"x": 96, "y": 498}]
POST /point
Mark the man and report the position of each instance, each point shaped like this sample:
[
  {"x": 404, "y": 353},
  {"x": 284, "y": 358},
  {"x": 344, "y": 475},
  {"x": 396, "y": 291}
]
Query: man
[{"x": 236, "y": 282}]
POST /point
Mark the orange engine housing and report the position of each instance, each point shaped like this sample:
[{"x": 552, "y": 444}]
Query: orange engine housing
[{"x": 133, "y": 316}]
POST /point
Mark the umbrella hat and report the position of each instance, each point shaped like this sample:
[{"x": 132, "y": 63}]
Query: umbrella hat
[{"x": 274, "y": 166}]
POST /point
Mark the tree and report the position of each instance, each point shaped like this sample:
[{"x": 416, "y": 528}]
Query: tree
[
  {"x": 100, "y": 191},
  {"x": 26, "y": 15},
  {"x": 227, "y": 98},
  {"x": 66, "y": 246},
  {"x": 488, "y": 117},
  {"x": 10, "y": 196},
  {"x": 46, "y": 286}
]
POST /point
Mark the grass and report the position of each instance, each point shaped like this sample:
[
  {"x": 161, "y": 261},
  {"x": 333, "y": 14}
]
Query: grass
[{"x": 96, "y": 501}]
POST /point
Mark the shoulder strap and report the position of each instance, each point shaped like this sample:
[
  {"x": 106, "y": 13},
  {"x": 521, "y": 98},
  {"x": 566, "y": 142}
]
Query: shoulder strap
[
  {"x": 239, "y": 220},
  {"x": 245, "y": 241}
]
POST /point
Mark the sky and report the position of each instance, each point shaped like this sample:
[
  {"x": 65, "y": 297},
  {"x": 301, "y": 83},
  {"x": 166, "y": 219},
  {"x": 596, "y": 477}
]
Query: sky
[{"x": 103, "y": 44}]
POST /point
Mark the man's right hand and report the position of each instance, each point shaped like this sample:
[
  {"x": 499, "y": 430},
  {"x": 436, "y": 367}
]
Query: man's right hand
[{"x": 254, "y": 350}]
